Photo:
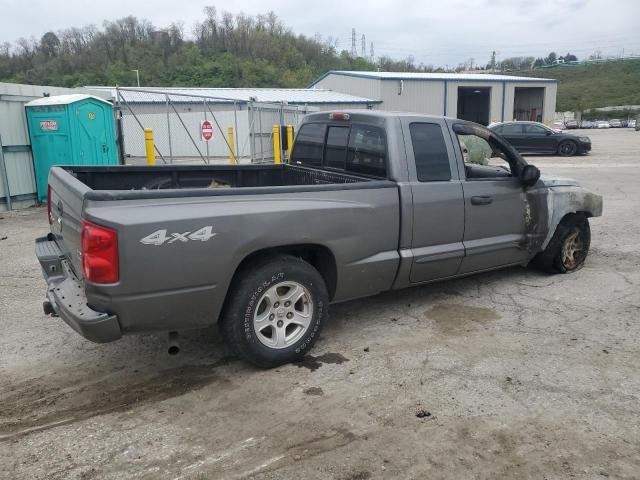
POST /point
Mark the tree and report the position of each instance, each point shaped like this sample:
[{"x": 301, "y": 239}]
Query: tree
[
  {"x": 569, "y": 57},
  {"x": 551, "y": 59},
  {"x": 49, "y": 44},
  {"x": 538, "y": 62},
  {"x": 597, "y": 55}
]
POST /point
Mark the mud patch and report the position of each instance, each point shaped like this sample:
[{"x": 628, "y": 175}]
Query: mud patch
[
  {"x": 314, "y": 363},
  {"x": 313, "y": 391},
  {"x": 454, "y": 319},
  {"x": 48, "y": 402}
]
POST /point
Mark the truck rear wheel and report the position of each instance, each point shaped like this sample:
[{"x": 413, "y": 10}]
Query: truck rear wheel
[{"x": 274, "y": 311}]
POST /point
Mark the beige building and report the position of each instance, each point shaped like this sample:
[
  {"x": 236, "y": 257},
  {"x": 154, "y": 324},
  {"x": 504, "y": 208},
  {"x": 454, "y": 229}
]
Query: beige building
[{"x": 482, "y": 98}]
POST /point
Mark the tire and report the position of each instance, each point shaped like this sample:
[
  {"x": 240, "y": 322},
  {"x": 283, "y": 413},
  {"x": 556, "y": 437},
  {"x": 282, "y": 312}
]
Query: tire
[
  {"x": 568, "y": 248},
  {"x": 567, "y": 148},
  {"x": 261, "y": 325}
]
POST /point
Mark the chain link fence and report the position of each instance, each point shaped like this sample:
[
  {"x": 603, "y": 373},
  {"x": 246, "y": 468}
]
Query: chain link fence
[{"x": 242, "y": 131}]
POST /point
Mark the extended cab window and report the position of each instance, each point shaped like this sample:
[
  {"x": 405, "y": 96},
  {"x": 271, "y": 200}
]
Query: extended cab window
[
  {"x": 309, "y": 144},
  {"x": 367, "y": 151},
  {"x": 430, "y": 152},
  {"x": 335, "y": 154}
]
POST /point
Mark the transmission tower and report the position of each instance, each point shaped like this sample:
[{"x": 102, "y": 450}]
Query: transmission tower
[
  {"x": 363, "y": 47},
  {"x": 354, "y": 50},
  {"x": 371, "y": 56}
]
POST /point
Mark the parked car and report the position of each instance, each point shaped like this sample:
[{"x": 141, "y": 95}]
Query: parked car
[
  {"x": 615, "y": 123},
  {"x": 371, "y": 201},
  {"x": 586, "y": 124},
  {"x": 602, "y": 124},
  {"x": 557, "y": 126},
  {"x": 571, "y": 124},
  {"x": 632, "y": 123},
  {"x": 534, "y": 137}
]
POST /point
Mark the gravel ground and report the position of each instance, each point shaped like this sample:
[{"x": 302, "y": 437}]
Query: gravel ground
[{"x": 515, "y": 374}]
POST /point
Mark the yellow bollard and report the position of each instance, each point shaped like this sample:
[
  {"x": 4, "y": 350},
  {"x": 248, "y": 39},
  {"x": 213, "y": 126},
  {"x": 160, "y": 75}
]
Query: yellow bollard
[
  {"x": 232, "y": 147},
  {"x": 289, "y": 141},
  {"x": 148, "y": 146},
  {"x": 276, "y": 145}
]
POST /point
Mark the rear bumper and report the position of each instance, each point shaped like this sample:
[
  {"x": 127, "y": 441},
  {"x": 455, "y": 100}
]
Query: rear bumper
[{"x": 66, "y": 297}]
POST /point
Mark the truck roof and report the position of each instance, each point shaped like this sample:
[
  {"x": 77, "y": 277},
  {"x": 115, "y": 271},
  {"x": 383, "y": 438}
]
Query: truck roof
[{"x": 324, "y": 115}]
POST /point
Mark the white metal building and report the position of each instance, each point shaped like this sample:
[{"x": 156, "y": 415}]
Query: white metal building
[
  {"x": 482, "y": 98},
  {"x": 175, "y": 115}
]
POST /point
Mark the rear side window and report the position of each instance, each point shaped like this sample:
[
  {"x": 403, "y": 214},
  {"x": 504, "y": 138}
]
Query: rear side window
[
  {"x": 511, "y": 129},
  {"x": 367, "y": 151},
  {"x": 335, "y": 154},
  {"x": 309, "y": 144},
  {"x": 430, "y": 152}
]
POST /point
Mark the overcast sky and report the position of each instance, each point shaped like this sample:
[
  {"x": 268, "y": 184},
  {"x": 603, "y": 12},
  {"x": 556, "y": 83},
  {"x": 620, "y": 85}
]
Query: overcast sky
[{"x": 448, "y": 34}]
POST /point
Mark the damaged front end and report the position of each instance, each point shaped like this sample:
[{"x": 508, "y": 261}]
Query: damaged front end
[{"x": 549, "y": 201}]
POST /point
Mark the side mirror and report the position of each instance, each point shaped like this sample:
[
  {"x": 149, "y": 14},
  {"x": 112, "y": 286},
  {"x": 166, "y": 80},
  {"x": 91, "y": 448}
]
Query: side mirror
[
  {"x": 548, "y": 133},
  {"x": 530, "y": 175}
]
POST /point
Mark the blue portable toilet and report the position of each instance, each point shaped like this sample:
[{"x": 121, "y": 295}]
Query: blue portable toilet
[{"x": 72, "y": 129}]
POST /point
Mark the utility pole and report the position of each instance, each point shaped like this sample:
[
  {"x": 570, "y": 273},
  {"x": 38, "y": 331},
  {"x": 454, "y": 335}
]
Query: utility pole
[
  {"x": 354, "y": 50},
  {"x": 371, "y": 56},
  {"x": 363, "y": 47},
  {"x": 137, "y": 76}
]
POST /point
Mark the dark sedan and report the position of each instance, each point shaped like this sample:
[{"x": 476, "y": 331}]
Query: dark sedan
[{"x": 534, "y": 137}]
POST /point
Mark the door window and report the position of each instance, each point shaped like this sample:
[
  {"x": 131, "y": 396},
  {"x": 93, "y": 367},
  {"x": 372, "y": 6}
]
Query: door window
[
  {"x": 430, "y": 152},
  {"x": 483, "y": 160},
  {"x": 309, "y": 144},
  {"x": 532, "y": 129}
]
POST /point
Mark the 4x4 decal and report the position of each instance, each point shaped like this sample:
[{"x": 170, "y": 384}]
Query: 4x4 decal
[{"x": 160, "y": 237}]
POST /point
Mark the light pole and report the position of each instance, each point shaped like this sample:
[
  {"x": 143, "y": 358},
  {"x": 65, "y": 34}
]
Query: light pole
[{"x": 137, "y": 76}]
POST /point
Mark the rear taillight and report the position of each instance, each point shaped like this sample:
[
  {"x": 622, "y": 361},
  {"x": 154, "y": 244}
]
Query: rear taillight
[
  {"x": 99, "y": 248},
  {"x": 49, "y": 204}
]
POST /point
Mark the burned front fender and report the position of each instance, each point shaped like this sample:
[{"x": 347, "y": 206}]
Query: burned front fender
[{"x": 558, "y": 201}]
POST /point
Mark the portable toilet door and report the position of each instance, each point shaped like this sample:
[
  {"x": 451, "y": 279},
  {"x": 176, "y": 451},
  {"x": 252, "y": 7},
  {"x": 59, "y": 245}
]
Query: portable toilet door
[
  {"x": 72, "y": 129},
  {"x": 96, "y": 141},
  {"x": 50, "y": 142}
]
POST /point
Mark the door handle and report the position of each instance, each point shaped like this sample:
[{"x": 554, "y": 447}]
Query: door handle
[{"x": 481, "y": 200}]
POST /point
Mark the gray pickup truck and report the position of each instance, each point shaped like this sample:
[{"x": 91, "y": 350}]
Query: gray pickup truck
[{"x": 370, "y": 201}]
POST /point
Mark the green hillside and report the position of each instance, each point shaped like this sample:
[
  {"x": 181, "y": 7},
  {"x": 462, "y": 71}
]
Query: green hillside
[
  {"x": 594, "y": 85},
  {"x": 223, "y": 50}
]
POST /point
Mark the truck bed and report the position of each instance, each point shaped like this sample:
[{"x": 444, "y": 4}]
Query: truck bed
[{"x": 213, "y": 178}]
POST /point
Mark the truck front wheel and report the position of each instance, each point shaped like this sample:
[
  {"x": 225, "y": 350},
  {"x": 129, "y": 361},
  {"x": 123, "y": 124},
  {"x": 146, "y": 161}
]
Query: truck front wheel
[
  {"x": 569, "y": 246},
  {"x": 274, "y": 311}
]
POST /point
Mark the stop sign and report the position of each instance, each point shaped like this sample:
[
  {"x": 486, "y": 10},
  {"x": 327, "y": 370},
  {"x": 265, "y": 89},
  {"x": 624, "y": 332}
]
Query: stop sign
[{"x": 206, "y": 130}]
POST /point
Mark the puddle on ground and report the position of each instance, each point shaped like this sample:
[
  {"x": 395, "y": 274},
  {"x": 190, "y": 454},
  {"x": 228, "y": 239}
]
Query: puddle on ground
[
  {"x": 453, "y": 318},
  {"x": 314, "y": 363}
]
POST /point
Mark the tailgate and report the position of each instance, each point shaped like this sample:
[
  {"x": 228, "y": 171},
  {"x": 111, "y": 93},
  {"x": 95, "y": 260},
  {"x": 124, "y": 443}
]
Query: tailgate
[{"x": 66, "y": 198}]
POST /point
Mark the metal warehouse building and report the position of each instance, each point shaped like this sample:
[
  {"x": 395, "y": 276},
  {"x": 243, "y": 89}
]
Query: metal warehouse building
[{"x": 481, "y": 98}]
